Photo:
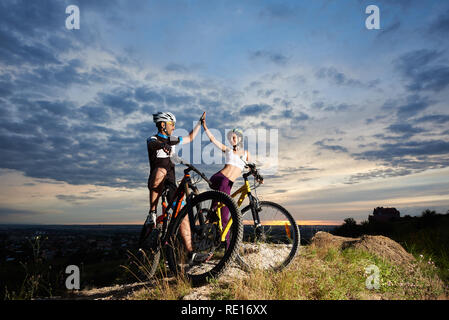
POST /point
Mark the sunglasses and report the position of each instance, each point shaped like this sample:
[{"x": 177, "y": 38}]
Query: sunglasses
[{"x": 171, "y": 123}]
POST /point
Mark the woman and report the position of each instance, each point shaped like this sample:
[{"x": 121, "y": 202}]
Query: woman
[{"x": 235, "y": 162}]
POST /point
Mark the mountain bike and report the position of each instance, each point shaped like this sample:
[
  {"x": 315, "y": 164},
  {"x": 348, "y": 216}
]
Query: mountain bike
[
  {"x": 271, "y": 236},
  {"x": 208, "y": 235}
]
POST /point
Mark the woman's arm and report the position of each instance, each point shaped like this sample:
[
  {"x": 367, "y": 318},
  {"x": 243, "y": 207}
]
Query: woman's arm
[{"x": 212, "y": 139}]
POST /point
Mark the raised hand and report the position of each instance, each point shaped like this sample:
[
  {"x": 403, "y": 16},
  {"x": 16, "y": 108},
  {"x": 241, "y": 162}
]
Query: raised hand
[{"x": 203, "y": 119}]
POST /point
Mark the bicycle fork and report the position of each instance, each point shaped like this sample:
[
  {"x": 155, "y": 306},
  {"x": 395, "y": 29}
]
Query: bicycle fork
[{"x": 255, "y": 209}]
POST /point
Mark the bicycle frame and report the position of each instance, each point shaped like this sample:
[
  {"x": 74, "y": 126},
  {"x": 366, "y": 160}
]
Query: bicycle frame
[
  {"x": 181, "y": 192},
  {"x": 245, "y": 191}
]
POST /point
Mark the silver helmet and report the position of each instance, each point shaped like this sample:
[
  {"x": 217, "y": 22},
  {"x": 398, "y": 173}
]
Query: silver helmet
[
  {"x": 164, "y": 117},
  {"x": 237, "y": 131}
]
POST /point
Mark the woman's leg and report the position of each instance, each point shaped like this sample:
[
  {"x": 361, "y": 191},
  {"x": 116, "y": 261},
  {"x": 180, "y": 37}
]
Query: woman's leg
[{"x": 221, "y": 183}]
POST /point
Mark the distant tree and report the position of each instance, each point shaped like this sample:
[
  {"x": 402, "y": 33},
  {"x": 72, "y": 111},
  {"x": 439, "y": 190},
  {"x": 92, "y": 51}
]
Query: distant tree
[
  {"x": 348, "y": 229},
  {"x": 428, "y": 213},
  {"x": 350, "y": 222}
]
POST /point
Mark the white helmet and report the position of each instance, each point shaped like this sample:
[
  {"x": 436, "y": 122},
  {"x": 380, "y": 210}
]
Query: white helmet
[
  {"x": 164, "y": 117},
  {"x": 237, "y": 131}
]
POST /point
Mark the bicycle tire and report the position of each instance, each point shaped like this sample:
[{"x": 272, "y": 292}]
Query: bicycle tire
[
  {"x": 273, "y": 264},
  {"x": 174, "y": 250},
  {"x": 146, "y": 260}
]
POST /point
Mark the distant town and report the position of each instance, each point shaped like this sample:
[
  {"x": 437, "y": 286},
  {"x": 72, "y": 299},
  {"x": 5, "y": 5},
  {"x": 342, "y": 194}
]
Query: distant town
[
  {"x": 58, "y": 241},
  {"x": 97, "y": 242}
]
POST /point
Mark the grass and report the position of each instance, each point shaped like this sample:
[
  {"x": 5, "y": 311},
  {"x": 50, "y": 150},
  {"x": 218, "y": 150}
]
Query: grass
[
  {"x": 319, "y": 274},
  {"x": 37, "y": 279},
  {"x": 431, "y": 247},
  {"x": 331, "y": 274},
  {"x": 425, "y": 237},
  {"x": 164, "y": 289},
  {"x": 157, "y": 287},
  {"x": 316, "y": 274}
]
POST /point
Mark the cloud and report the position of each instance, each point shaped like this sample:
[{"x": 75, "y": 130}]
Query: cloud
[
  {"x": 286, "y": 172},
  {"x": 255, "y": 109},
  {"x": 413, "y": 155},
  {"x": 280, "y": 190},
  {"x": 434, "y": 118},
  {"x": 145, "y": 94},
  {"x": 294, "y": 116},
  {"x": 188, "y": 84},
  {"x": 441, "y": 25},
  {"x": 121, "y": 99},
  {"x": 377, "y": 173},
  {"x": 96, "y": 113},
  {"x": 277, "y": 58},
  {"x": 339, "y": 78},
  {"x": 405, "y": 129},
  {"x": 335, "y": 148},
  {"x": 73, "y": 198},
  {"x": 421, "y": 70},
  {"x": 33, "y": 33},
  {"x": 320, "y": 105},
  {"x": 179, "y": 100},
  {"x": 13, "y": 212},
  {"x": 414, "y": 105},
  {"x": 177, "y": 68},
  {"x": 279, "y": 11},
  {"x": 389, "y": 30},
  {"x": 375, "y": 119},
  {"x": 46, "y": 135}
]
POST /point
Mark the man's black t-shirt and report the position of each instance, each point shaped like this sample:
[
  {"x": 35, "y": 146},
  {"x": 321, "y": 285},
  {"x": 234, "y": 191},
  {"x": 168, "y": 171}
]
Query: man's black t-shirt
[{"x": 158, "y": 158}]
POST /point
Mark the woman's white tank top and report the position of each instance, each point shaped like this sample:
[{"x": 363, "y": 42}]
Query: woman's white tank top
[{"x": 235, "y": 160}]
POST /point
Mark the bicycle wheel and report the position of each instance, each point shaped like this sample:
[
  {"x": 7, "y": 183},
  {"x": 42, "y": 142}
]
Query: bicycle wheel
[
  {"x": 207, "y": 238},
  {"x": 273, "y": 244},
  {"x": 145, "y": 261}
]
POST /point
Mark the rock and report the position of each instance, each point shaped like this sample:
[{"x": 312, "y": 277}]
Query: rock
[{"x": 381, "y": 246}]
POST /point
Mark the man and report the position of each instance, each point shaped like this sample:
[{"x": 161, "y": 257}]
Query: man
[{"x": 162, "y": 172}]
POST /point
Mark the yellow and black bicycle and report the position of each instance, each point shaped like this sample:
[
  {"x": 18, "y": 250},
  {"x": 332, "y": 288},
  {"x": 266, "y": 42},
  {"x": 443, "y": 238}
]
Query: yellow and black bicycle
[{"x": 271, "y": 236}]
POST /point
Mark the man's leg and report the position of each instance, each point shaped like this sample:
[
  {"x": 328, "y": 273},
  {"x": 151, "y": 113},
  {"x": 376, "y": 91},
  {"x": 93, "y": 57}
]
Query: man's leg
[
  {"x": 184, "y": 228},
  {"x": 186, "y": 234},
  {"x": 155, "y": 180},
  {"x": 156, "y": 185}
]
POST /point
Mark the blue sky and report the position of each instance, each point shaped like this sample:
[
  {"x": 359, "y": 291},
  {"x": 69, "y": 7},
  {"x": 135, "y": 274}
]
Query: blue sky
[{"x": 362, "y": 114}]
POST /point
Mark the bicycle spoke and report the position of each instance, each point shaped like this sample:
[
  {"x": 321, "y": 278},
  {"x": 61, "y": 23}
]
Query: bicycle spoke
[
  {"x": 211, "y": 255},
  {"x": 271, "y": 245}
]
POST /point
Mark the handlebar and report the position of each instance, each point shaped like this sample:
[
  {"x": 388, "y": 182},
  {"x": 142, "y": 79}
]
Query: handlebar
[{"x": 253, "y": 171}]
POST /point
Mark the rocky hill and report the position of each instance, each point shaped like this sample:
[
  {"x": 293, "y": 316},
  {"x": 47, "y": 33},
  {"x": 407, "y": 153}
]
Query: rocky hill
[{"x": 331, "y": 267}]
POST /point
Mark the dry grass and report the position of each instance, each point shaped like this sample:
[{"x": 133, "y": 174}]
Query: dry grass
[
  {"x": 332, "y": 274},
  {"x": 164, "y": 289},
  {"x": 318, "y": 273}
]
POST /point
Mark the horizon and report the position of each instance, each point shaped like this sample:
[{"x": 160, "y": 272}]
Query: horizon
[{"x": 139, "y": 224}]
